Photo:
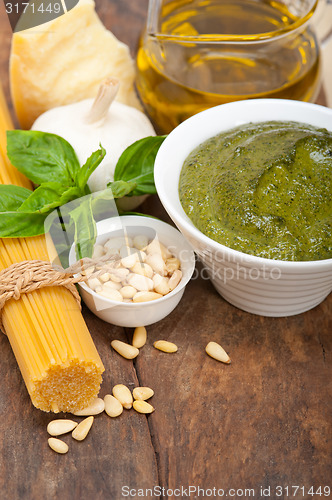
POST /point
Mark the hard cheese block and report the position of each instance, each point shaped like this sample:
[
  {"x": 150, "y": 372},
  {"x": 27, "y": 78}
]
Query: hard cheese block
[{"x": 64, "y": 61}]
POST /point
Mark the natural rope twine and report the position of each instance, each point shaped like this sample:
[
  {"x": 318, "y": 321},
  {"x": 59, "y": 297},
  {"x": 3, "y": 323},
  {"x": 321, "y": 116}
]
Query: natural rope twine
[{"x": 29, "y": 275}]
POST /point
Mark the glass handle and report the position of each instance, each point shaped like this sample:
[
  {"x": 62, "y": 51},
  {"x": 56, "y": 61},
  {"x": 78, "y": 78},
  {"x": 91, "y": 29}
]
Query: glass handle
[{"x": 322, "y": 21}]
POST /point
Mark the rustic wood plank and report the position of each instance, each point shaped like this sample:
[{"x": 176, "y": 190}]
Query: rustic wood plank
[
  {"x": 263, "y": 420},
  {"x": 116, "y": 453}
]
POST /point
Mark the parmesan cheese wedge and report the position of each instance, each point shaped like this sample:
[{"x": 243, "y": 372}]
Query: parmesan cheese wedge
[{"x": 63, "y": 61}]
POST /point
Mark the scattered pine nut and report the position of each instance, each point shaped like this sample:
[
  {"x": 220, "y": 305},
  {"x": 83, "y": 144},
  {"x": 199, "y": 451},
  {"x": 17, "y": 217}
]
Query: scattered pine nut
[
  {"x": 142, "y": 406},
  {"x": 57, "y": 445},
  {"x": 142, "y": 393},
  {"x": 95, "y": 407},
  {"x": 60, "y": 426},
  {"x": 217, "y": 352},
  {"x": 81, "y": 431},
  {"x": 123, "y": 394},
  {"x": 139, "y": 337},
  {"x": 113, "y": 407},
  {"x": 125, "y": 350},
  {"x": 165, "y": 346}
]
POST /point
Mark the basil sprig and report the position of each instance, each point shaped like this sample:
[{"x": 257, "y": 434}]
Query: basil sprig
[
  {"x": 51, "y": 163},
  {"x": 136, "y": 165}
]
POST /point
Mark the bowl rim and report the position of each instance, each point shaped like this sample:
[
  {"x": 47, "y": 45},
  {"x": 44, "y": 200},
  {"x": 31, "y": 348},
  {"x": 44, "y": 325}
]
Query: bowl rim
[
  {"x": 183, "y": 282},
  {"x": 182, "y": 220}
]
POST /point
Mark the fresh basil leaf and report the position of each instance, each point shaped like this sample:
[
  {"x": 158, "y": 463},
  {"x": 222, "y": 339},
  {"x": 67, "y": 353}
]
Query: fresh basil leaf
[
  {"x": 136, "y": 165},
  {"x": 85, "y": 228},
  {"x": 44, "y": 198},
  {"x": 12, "y": 197},
  {"x": 21, "y": 225},
  {"x": 42, "y": 157},
  {"x": 121, "y": 188},
  {"x": 48, "y": 196},
  {"x": 89, "y": 167}
]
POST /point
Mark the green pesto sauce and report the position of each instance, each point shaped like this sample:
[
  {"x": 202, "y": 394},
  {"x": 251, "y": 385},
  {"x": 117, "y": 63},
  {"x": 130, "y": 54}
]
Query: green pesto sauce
[{"x": 264, "y": 189}]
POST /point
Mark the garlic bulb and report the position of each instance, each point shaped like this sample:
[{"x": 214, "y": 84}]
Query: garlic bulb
[{"x": 88, "y": 123}]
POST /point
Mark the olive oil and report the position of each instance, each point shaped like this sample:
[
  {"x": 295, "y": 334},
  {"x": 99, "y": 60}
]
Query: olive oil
[{"x": 240, "y": 55}]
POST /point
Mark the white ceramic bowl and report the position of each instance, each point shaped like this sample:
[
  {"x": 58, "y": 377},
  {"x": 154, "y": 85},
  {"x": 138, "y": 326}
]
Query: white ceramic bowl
[
  {"x": 143, "y": 313},
  {"x": 257, "y": 285}
]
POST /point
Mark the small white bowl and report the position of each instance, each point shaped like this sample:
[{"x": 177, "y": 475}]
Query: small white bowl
[
  {"x": 257, "y": 285},
  {"x": 143, "y": 313}
]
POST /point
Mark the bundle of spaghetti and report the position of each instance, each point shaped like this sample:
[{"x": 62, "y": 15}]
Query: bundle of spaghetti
[{"x": 58, "y": 360}]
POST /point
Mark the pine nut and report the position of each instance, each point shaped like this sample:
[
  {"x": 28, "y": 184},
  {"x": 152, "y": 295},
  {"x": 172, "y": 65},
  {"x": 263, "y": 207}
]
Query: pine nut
[
  {"x": 175, "y": 279},
  {"x": 140, "y": 282},
  {"x": 165, "y": 346},
  {"x": 93, "y": 283},
  {"x": 165, "y": 252},
  {"x": 87, "y": 272},
  {"x": 60, "y": 426},
  {"x": 157, "y": 263},
  {"x": 118, "y": 275},
  {"x": 104, "y": 277},
  {"x": 140, "y": 241},
  {"x": 113, "y": 407},
  {"x": 160, "y": 284},
  {"x": 142, "y": 269},
  {"x": 58, "y": 445},
  {"x": 125, "y": 350},
  {"x": 98, "y": 251},
  {"x": 153, "y": 247},
  {"x": 130, "y": 260},
  {"x": 142, "y": 393},
  {"x": 112, "y": 285},
  {"x": 95, "y": 407},
  {"x": 81, "y": 431},
  {"x": 123, "y": 394},
  {"x": 128, "y": 292},
  {"x": 217, "y": 352},
  {"x": 117, "y": 242},
  {"x": 142, "y": 406},
  {"x": 111, "y": 294},
  {"x": 146, "y": 296},
  {"x": 172, "y": 264},
  {"x": 139, "y": 337}
]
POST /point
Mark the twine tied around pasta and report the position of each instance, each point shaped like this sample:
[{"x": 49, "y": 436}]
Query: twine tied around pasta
[{"x": 29, "y": 275}]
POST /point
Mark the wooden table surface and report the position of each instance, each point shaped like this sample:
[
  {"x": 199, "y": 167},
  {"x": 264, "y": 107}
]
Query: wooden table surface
[{"x": 263, "y": 421}]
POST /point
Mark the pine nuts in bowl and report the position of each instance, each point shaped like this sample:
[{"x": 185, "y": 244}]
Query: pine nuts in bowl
[{"x": 144, "y": 267}]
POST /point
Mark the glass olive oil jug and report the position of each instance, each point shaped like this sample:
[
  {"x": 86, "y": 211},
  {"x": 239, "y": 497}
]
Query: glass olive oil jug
[{"x": 195, "y": 54}]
